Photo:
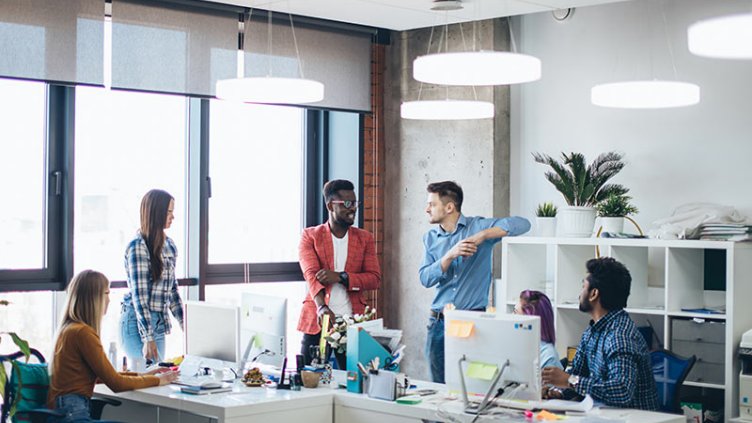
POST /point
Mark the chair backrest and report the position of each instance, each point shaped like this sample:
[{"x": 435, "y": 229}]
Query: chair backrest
[
  {"x": 669, "y": 371},
  {"x": 26, "y": 387}
]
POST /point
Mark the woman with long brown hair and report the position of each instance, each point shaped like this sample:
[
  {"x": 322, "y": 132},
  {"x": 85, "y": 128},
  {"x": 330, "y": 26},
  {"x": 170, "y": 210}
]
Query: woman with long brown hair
[
  {"x": 152, "y": 285},
  {"x": 79, "y": 359}
]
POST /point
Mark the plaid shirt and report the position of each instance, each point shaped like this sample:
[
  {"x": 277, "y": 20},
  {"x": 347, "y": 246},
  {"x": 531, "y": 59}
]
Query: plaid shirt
[
  {"x": 614, "y": 364},
  {"x": 147, "y": 296}
]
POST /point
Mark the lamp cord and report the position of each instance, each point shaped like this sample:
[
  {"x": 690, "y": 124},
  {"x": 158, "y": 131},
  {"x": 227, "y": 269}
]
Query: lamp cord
[{"x": 295, "y": 42}]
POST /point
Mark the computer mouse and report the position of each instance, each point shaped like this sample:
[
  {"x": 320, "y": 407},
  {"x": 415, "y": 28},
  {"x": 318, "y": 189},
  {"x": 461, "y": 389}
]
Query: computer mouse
[{"x": 211, "y": 384}]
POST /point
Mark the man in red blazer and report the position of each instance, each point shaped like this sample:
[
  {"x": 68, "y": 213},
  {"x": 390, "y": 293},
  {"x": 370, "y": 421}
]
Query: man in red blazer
[{"x": 338, "y": 262}]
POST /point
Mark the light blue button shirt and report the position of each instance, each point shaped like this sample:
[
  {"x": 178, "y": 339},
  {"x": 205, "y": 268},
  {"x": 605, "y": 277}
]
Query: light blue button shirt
[
  {"x": 465, "y": 283},
  {"x": 549, "y": 357}
]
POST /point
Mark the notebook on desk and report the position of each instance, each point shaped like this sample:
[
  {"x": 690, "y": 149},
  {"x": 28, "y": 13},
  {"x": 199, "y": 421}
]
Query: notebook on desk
[
  {"x": 198, "y": 390},
  {"x": 551, "y": 405}
]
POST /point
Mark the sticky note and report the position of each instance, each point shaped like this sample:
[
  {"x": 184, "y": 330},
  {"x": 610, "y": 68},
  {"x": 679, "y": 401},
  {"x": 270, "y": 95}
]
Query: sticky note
[
  {"x": 482, "y": 371},
  {"x": 324, "y": 334},
  {"x": 460, "y": 328}
]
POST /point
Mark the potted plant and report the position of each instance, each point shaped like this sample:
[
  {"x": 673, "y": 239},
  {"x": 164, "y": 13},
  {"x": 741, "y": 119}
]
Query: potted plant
[
  {"x": 583, "y": 186},
  {"x": 23, "y": 346},
  {"x": 546, "y": 219},
  {"x": 612, "y": 212}
]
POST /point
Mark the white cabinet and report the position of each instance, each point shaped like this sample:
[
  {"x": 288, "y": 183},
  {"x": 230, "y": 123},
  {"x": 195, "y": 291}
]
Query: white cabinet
[{"x": 670, "y": 279}]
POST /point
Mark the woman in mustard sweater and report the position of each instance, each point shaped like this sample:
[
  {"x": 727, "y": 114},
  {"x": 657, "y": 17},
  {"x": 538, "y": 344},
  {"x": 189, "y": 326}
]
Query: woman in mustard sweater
[{"x": 79, "y": 360}]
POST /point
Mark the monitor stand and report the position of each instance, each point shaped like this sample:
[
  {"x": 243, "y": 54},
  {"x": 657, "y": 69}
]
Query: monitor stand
[{"x": 474, "y": 408}]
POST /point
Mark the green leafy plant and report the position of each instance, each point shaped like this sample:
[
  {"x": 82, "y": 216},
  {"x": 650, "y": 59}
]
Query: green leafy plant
[
  {"x": 23, "y": 346},
  {"x": 616, "y": 206},
  {"x": 546, "y": 210},
  {"x": 582, "y": 184}
]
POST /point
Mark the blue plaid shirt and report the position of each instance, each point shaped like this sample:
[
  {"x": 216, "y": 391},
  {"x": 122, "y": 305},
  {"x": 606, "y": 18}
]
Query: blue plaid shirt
[
  {"x": 147, "y": 296},
  {"x": 614, "y": 365}
]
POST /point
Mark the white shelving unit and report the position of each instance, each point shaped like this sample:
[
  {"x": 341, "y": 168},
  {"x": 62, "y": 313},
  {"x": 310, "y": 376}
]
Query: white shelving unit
[{"x": 669, "y": 278}]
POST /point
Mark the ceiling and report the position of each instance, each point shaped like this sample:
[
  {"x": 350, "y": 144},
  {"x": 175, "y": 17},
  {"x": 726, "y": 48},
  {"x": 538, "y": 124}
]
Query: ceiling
[{"x": 402, "y": 15}]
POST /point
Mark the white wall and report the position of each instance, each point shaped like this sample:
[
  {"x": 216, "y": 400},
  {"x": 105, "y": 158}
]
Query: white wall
[{"x": 697, "y": 153}]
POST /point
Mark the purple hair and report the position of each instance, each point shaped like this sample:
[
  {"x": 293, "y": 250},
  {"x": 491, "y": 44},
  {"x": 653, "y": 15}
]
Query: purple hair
[{"x": 536, "y": 303}]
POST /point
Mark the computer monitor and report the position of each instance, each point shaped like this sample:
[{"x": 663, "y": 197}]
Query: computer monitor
[
  {"x": 482, "y": 344},
  {"x": 212, "y": 332},
  {"x": 263, "y": 329}
]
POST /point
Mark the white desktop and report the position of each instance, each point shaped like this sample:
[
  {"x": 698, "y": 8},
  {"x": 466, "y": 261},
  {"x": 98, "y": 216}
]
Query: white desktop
[
  {"x": 263, "y": 329},
  {"x": 212, "y": 336},
  {"x": 486, "y": 351}
]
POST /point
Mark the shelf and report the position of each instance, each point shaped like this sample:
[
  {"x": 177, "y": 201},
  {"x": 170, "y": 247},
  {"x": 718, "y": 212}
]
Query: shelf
[
  {"x": 640, "y": 242},
  {"x": 573, "y": 306},
  {"x": 651, "y": 311},
  {"x": 704, "y": 385},
  {"x": 705, "y": 316}
]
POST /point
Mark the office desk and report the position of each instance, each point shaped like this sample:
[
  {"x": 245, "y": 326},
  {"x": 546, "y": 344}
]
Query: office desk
[{"x": 166, "y": 404}]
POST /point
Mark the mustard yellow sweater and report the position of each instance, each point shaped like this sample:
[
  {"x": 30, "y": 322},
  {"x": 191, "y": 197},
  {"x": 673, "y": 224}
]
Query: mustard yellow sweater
[{"x": 80, "y": 362}]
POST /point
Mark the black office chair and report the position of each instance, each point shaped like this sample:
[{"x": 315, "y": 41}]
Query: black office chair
[
  {"x": 31, "y": 407},
  {"x": 669, "y": 371}
]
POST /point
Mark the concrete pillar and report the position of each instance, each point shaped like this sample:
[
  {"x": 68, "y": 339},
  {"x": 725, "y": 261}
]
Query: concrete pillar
[{"x": 474, "y": 153}]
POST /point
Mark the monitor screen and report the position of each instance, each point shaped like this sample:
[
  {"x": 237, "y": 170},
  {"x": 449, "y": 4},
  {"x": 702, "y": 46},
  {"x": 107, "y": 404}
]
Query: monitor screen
[
  {"x": 263, "y": 329},
  {"x": 487, "y": 341},
  {"x": 212, "y": 331}
]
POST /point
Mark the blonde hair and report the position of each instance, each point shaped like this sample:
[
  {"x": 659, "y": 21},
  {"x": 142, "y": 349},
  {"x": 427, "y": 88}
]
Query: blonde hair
[{"x": 87, "y": 293}]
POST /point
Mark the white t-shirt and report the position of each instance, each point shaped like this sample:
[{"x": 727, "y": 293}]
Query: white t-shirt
[{"x": 339, "y": 301}]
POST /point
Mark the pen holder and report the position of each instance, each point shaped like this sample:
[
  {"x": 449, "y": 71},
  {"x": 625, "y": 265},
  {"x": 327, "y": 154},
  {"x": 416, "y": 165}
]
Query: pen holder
[{"x": 385, "y": 385}]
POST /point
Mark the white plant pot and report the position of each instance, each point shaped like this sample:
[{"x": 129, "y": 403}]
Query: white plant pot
[
  {"x": 545, "y": 226},
  {"x": 575, "y": 222},
  {"x": 612, "y": 224}
]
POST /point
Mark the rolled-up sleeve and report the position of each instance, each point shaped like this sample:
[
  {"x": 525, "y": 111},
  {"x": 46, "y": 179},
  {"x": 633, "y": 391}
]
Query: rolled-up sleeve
[
  {"x": 513, "y": 225},
  {"x": 430, "y": 271}
]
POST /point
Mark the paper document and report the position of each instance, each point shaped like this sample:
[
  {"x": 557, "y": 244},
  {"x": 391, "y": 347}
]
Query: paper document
[
  {"x": 482, "y": 371},
  {"x": 459, "y": 328},
  {"x": 551, "y": 405}
]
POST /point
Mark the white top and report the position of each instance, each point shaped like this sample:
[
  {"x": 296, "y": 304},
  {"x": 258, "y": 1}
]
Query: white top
[{"x": 339, "y": 301}]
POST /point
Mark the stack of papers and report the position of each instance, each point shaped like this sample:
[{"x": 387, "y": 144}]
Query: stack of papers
[{"x": 726, "y": 231}]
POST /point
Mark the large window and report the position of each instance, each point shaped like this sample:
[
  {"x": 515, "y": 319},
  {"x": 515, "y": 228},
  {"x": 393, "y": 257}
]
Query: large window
[
  {"x": 255, "y": 164},
  {"x": 22, "y": 172},
  {"x": 31, "y": 316},
  {"x": 126, "y": 144}
]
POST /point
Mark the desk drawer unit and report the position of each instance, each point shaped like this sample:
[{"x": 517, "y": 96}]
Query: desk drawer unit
[{"x": 706, "y": 341}]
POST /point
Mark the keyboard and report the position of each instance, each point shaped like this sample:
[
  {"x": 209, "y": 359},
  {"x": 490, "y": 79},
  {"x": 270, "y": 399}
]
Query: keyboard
[{"x": 192, "y": 380}]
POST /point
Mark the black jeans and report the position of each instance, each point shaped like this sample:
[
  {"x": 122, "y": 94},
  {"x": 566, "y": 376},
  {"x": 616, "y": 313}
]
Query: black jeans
[{"x": 313, "y": 341}]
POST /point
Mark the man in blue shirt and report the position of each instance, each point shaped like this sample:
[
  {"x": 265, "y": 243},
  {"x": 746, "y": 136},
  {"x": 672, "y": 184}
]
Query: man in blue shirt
[
  {"x": 457, "y": 261},
  {"x": 612, "y": 363}
]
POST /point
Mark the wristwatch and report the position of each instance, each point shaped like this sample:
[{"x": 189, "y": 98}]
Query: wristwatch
[
  {"x": 345, "y": 279},
  {"x": 573, "y": 380}
]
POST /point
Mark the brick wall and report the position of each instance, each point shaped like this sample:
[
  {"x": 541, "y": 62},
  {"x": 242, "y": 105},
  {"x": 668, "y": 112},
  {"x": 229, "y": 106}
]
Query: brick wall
[{"x": 373, "y": 166}]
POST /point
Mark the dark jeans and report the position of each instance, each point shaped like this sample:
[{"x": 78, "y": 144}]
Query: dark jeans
[
  {"x": 76, "y": 408},
  {"x": 313, "y": 341},
  {"x": 435, "y": 348}
]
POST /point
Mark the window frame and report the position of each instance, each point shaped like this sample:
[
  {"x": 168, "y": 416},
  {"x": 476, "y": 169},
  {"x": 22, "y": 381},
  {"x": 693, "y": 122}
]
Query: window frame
[{"x": 59, "y": 162}]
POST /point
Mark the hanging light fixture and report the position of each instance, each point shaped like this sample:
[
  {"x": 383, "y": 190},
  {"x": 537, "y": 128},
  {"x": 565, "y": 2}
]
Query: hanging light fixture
[
  {"x": 473, "y": 68},
  {"x": 271, "y": 89},
  {"x": 446, "y": 109},
  {"x": 725, "y": 37},
  {"x": 647, "y": 94}
]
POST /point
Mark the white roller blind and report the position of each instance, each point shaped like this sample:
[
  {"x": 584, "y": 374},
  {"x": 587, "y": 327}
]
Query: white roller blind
[
  {"x": 59, "y": 40},
  {"x": 341, "y": 61},
  {"x": 173, "y": 48}
]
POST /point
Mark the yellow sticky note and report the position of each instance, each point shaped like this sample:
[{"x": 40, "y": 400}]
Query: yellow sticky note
[
  {"x": 460, "y": 328},
  {"x": 324, "y": 334},
  {"x": 482, "y": 371}
]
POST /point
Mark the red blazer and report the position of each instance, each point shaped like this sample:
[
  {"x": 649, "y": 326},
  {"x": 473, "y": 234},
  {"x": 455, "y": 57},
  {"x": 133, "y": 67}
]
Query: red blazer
[{"x": 317, "y": 252}]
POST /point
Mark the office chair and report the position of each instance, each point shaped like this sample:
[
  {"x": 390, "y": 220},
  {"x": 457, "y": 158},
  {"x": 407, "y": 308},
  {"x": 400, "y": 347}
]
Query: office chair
[
  {"x": 33, "y": 404},
  {"x": 669, "y": 371}
]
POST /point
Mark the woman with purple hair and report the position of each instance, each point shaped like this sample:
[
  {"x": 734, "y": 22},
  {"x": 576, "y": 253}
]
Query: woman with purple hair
[{"x": 536, "y": 303}]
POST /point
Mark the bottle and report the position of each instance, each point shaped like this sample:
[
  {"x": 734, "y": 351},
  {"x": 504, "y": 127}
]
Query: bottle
[{"x": 113, "y": 355}]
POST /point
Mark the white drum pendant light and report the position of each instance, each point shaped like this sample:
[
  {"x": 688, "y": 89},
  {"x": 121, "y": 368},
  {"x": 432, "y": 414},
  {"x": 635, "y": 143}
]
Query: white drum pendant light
[
  {"x": 477, "y": 68},
  {"x": 726, "y": 37},
  {"x": 645, "y": 94},
  {"x": 446, "y": 110},
  {"x": 270, "y": 89},
  {"x": 267, "y": 89}
]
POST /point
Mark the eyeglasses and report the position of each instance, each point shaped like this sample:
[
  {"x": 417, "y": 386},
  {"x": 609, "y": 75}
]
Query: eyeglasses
[{"x": 347, "y": 203}]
